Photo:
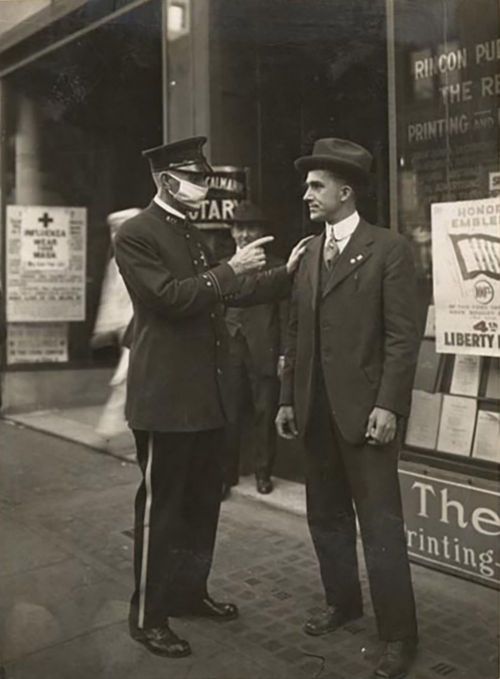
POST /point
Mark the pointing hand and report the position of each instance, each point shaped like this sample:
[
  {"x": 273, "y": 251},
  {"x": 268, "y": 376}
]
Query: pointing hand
[{"x": 251, "y": 258}]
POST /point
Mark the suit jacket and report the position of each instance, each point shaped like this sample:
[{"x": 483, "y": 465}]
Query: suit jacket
[
  {"x": 361, "y": 328},
  {"x": 178, "y": 348},
  {"x": 264, "y": 328}
]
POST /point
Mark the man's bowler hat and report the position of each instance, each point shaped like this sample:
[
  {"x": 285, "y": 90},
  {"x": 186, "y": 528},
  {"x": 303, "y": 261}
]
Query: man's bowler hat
[
  {"x": 350, "y": 160},
  {"x": 247, "y": 212},
  {"x": 185, "y": 155}
]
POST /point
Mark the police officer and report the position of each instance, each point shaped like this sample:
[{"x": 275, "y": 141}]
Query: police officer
[{"x": 176, "y": 394}]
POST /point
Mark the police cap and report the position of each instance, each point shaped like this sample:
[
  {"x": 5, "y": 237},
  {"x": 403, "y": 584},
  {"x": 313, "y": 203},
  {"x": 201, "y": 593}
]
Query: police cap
[{"x": 185, "y": 155}]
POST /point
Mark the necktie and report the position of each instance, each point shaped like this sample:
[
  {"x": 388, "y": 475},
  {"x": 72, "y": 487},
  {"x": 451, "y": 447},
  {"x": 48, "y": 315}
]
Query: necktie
[{"x": 330, "y": 251}]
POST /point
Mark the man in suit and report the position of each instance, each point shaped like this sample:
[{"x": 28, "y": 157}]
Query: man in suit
[
  {"x": 255, "y": 353},
  {"x": 176, "y": 396},
  {"x": 349, "y": 367}
]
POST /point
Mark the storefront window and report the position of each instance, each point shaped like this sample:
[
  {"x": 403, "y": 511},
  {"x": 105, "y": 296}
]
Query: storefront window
[
  {"x": 76, "y": 121},
  {"x": 447, "y": 84}
]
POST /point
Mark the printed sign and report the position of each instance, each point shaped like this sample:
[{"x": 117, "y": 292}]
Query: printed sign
[
  {"x": 453, "y": 526},
  {"x": 37, "y": 343},
  {"x": 46, "y": 248},
  {"x": 466, "y": 271},
  {"x": 448, "y": 119},
  {"x": 227, "y": 188}
]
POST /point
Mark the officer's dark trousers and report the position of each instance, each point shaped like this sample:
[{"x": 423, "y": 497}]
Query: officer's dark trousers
[
  {"x": 176, "y": 514},
  {"x": 339, "y": 473},
  {"x": 249, "y": 388}
]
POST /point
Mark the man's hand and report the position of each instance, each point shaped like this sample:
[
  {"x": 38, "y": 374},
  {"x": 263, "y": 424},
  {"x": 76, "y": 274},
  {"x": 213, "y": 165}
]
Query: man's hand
[
  {"x": 296, "y": 254},
  {"x": 285, "y": 422},
  {"x": 251, "y": 258},
  {"x": 381, "y": 428}
]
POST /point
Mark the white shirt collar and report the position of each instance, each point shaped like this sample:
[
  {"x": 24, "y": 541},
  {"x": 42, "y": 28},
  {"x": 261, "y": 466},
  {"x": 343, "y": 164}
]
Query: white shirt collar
[
  {"x": 167, "y": 207},
  {"x": 343, "y": 229}
]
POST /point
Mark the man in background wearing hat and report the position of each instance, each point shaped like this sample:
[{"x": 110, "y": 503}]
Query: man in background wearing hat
[
  {"x": 349, "y": 368},
  {"x": 176, "y": 400},
  {"x": 256, "y": 345}
]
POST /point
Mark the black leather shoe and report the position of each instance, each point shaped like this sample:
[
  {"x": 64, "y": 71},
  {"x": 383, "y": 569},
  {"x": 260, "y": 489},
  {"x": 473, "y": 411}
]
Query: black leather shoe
[
  {"x": 208, "y": 608},
  {"x": 161, "y": 641},
  {"x": 264, "y": 484},
  {"x": 396, "y": 659},
  {"x": 328, "y": 621}
]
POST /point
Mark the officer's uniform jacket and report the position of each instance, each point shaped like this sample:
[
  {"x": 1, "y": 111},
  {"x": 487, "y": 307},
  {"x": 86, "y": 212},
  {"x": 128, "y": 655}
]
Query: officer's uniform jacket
[
  {"x": 176, "y": 378},
  {"x": 264, "y": 328},
  {"x": 359, "y": 328}
]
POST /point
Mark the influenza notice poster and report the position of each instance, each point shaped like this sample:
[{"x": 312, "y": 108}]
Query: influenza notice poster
[
  {"x": 466, "y": 272},
  {"x": 45, "y": 263}
]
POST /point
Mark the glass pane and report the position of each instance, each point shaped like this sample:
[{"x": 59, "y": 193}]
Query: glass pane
[{"x": 76, "y": 122}]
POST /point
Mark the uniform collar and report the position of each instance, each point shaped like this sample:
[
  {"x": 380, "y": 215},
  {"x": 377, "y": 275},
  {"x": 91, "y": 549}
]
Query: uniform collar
[
  {"x": 344, "y": 228},
  {"x": 168, "y": 208}
]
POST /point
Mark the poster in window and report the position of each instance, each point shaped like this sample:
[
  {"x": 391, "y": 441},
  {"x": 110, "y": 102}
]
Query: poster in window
[
  {"x": 423, "y": 423},
  {"x": 466, "y": 276},
  {"x": 37, "y": 343},
  {"x": 466, "y": 375},
  {"x": 46, "y": 262},
  {"x": 458, "y": 416},
  {"x": 487, "y": 439}
]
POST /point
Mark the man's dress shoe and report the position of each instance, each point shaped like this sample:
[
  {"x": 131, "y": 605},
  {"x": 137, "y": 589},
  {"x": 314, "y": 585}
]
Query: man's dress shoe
[
  {"x": 161, "y": 641},
  {"x": 396, "y": 659},
  {"x": 329, "y": 620},
  {"x": 264, "y": 484},
  {"x": 208, "y": 608}
]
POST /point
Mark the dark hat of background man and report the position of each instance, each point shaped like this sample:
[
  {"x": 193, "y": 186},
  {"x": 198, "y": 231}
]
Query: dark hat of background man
[
  {"x": 342, "y": 156},
  {"x": 185, "y": 155},
  {"x": 248, "y": 213}
]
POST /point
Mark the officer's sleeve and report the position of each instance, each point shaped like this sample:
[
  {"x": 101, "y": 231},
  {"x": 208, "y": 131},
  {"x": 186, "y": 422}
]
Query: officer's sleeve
[
  {"x": 150, "y": 282},
  {"x": 260, "y": 288}
]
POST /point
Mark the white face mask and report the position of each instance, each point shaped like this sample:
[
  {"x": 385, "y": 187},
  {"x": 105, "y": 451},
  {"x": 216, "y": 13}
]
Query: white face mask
[{"x": 189, "y": 194}]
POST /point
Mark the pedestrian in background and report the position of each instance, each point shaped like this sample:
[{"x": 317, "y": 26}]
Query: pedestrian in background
[
  {"x": 349, "y": 367},
  {"x": 176, "y": 392},
  {"x": 114, "y": 315},
  {"x": 3, "y": 337},
  {"x": 256, "y": 346}
]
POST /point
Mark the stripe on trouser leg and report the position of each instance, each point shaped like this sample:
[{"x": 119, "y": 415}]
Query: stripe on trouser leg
[{"x": 145, "y": 532}]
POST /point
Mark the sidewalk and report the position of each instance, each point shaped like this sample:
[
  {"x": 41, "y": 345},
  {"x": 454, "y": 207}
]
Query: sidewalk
[{"x": 66, "y": 572}]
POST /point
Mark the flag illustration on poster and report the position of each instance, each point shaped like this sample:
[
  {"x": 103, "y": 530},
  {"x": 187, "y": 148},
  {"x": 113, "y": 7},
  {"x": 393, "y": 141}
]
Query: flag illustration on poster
[{"x": 466, "y": 273}]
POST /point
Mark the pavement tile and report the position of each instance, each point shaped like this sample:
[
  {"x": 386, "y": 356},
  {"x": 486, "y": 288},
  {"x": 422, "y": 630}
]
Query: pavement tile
[
  {"x": 70, "y": 574},
  {"x": 54, "y": 604},
  {"x": 23, "y": 549}
]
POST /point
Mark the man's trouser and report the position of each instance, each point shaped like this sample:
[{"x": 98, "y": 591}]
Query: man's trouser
[
  {"x": 338, "y": 475},
  {"x": 176, "y": 514}
]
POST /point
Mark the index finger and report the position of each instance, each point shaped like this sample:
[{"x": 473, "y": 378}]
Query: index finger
[{"x": 260, "y": 241}]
